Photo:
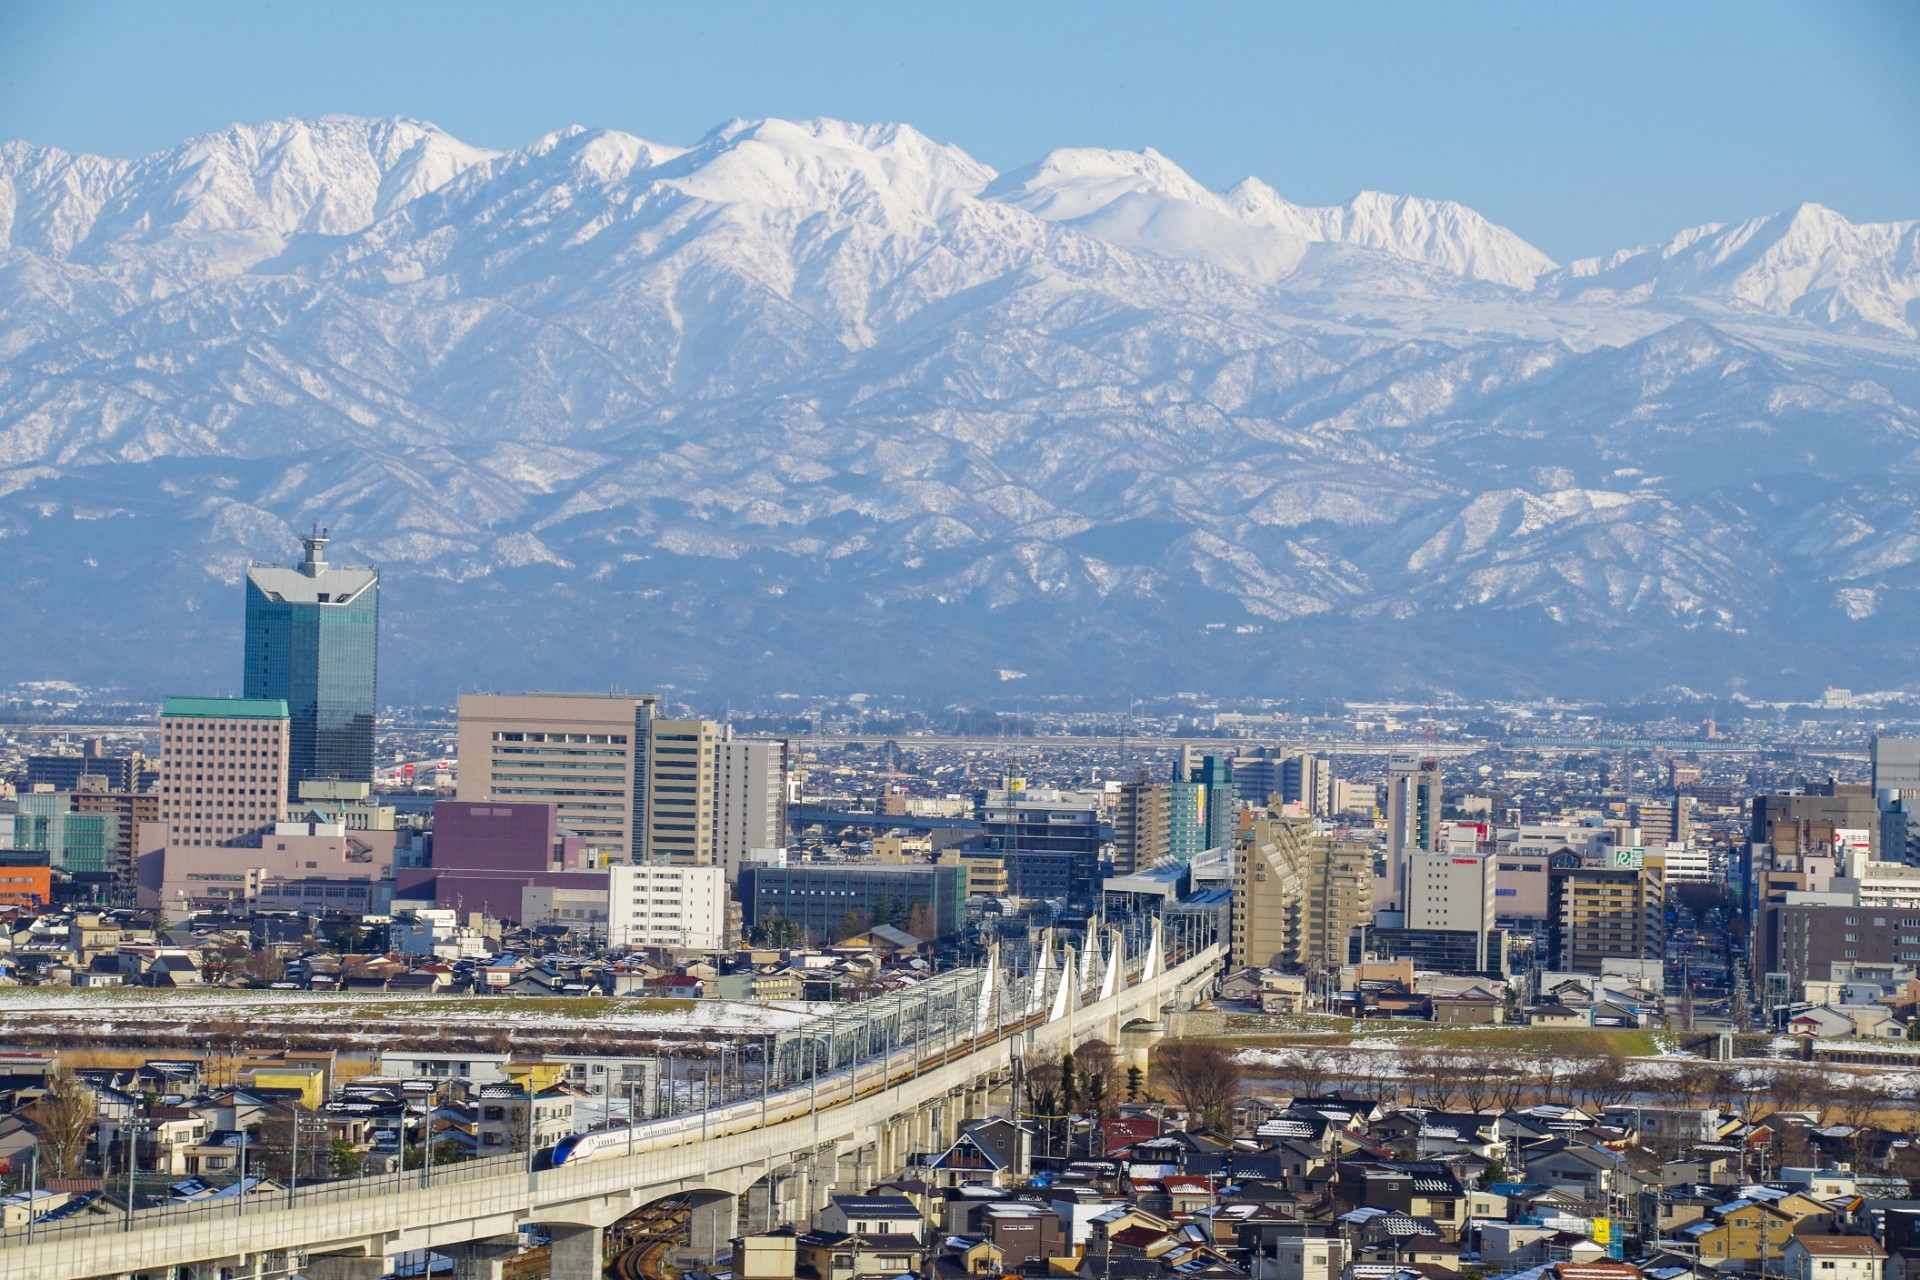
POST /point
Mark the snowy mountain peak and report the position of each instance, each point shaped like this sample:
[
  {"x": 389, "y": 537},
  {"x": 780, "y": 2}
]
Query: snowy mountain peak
[
  {"x": 1808, "y": 261},
  {"x": 824, "y": 163},
  {"x": 1078, "y": 182},
  {"x": 1440, "y": 232},
  {"x": 1144, "y": 201},
  {"x": 333, "y": 175}
]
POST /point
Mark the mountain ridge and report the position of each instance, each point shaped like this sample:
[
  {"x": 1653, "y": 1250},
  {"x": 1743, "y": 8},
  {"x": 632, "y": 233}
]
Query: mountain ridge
[{"x": 1085, "y": 419}]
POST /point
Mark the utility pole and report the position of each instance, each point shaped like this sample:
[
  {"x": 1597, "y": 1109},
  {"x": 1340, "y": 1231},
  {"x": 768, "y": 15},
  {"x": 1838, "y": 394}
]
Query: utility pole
[
  {"x": 531, "y": 1129},
  {"x": 132, "y": 1121},
  {"x": 293, "y": 1163}
]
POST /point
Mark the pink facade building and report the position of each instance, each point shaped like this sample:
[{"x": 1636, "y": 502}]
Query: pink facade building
[
  {"x": 297, "y": 867},
  {"x": 485, "y": 853}
]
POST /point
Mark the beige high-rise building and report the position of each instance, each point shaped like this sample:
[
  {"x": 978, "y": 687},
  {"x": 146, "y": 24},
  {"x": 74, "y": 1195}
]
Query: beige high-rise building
[
  {"x": 1297, "y": 895},
  {"x": 584, "y": 753},
  {"x": 1616, "y": 910},
  {"x": 223, "y": 769},
  {"x": 1141, "y": 826},
  {"x": 682, "y": 770}
]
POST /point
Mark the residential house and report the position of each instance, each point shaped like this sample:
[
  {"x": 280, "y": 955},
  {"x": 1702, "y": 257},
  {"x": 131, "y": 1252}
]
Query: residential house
[{"x": 1813, "y": 1257}]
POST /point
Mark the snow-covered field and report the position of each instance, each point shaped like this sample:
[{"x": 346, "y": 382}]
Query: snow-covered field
[{"x": 126, "y": 1008}]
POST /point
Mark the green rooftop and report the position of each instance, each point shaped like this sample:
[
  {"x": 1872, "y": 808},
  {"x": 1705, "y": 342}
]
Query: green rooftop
[{"x": 226, "y": 708}]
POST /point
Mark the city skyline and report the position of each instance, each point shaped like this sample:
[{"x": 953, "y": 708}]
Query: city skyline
[{"x": 1085, "y": 642}]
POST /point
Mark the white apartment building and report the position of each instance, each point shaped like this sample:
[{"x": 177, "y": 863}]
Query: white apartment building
[
  {"x": 1544, "y": 839},
  {"x": 1688, "y": 864},
  {"x": 667, "y": 906},
  {"x": 750, "y": 800},
  {"x": 1885, "y": 885},
  {"x": 436, "y": 931}
]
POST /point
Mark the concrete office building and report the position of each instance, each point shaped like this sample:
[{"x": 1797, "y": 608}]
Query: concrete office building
[
  {"x": 667, "y": 906},
  {"x": 1520, "y": 896},
  {"x": 583, "y": 911},
  {"x": 129, "y": 809},
  {"x": 294, "y": 867},
  {"x": 1665, "y": 821},
  {"x": 1453, "y": 893},
  {"x": 1296, "y": 777},
  {"x": 349, "y": 804},
  {"x": 223, "y": 769},
  {"x": 1413, "y": 823},
  {"x": 1689, "y": 864},
  {"x": 1050, "y": 840},
  {"x": 1792, "y": 839},
  {"x": 1896, "y": 765},
  {"x": 312, "y": 642},
  {"x": 750, "y": 801},
  {"x": 1896, "y": 788},
  {"x": 585, "y": 754},
  {"x": 1806, "y": 939},
  {"x": 63, "y": 772}
]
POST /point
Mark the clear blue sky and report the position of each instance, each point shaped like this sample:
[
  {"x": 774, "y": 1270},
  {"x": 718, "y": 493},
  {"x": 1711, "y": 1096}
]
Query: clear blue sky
[{"x": 1584, "y": 126}]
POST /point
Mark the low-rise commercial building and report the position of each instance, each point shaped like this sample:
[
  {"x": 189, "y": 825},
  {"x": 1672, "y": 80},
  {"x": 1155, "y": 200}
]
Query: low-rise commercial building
[{"x": 825, "y": 899}]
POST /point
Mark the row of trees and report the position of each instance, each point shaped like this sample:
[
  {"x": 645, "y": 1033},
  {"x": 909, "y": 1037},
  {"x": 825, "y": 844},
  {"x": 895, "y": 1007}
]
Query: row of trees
[{"x": 1456, "y": 1080}]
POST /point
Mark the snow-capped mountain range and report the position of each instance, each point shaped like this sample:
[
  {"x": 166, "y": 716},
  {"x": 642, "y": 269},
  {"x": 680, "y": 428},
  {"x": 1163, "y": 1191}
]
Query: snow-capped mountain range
[{"x": 821, "y": 406}]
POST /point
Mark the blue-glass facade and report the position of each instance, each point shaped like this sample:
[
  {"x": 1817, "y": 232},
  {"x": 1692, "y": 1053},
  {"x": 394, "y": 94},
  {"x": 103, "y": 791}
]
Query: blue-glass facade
[
  {"x": 1186, "y": 820},
  {"x": 1221, "y": 815},
  {"x": 313, "y": 637}
]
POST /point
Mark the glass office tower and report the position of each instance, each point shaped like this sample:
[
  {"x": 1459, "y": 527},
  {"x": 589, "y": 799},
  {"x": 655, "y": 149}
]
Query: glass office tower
[{"x": 312, "y": 639}]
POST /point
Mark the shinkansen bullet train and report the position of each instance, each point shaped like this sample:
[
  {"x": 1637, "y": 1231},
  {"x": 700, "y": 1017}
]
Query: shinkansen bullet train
[{"x": 830, "y": 1089}]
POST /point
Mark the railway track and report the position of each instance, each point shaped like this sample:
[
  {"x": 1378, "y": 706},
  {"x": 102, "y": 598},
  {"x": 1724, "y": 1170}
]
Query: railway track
[{"x": 650, "y": 1236}]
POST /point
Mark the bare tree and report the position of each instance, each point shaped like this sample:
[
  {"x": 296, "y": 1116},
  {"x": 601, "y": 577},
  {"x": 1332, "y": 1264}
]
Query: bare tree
[
  {"x": 1512, "y": 1079},
  {"x": 264, "y": 966},
  {"x": 1795, "y": 1088},
  {"x": 1603, "y": 1081},
  {"x": 1480, "y": 1083},
  {"x": 228, "y": 1039},
  {"x": 1543, "y": 1079},
  {"x": 1041, "y": 1084},
  {"x": 1094, "y": 1061},
  {"x": 1435, "y": 1076},
  {"x": 1203, "y": 1075},
  {"x": 1306, "y": 1071},
  {"x": 1692, "y": 1081},
  {"x": 64, "y": 1116},
  {"x": 1853, "y": 1103}
]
